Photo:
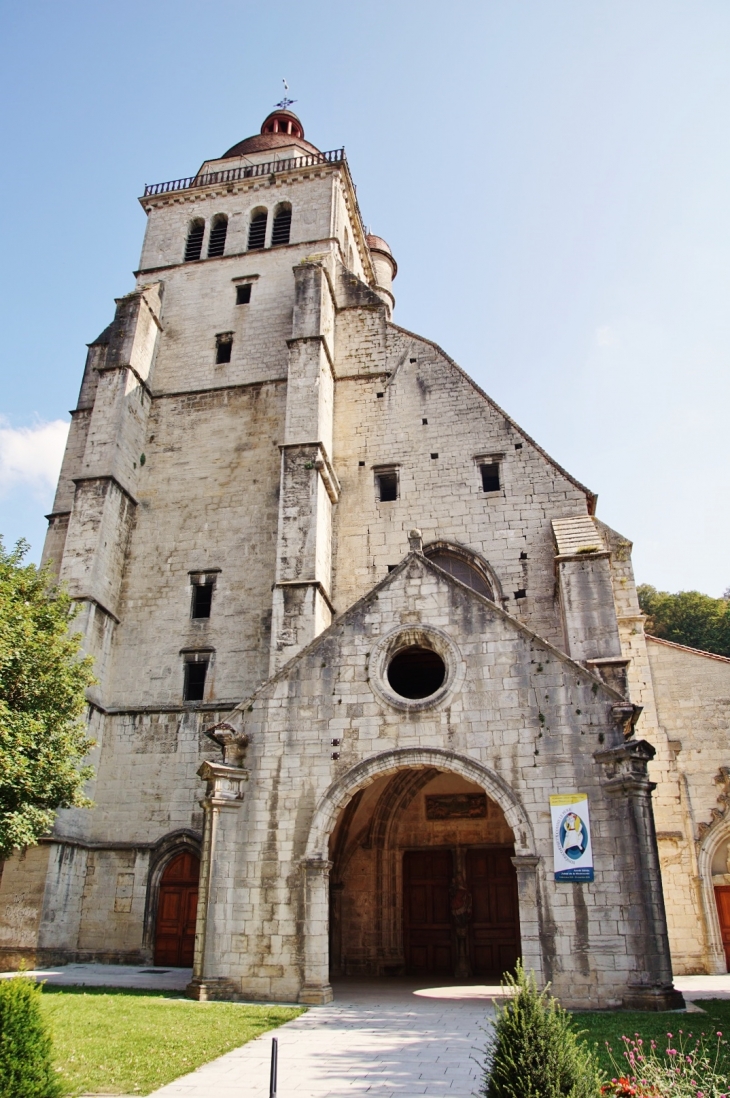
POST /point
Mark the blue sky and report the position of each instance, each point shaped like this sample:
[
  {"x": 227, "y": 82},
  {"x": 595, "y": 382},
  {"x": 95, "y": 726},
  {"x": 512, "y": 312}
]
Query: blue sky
[{"x": 552, "y": 175}]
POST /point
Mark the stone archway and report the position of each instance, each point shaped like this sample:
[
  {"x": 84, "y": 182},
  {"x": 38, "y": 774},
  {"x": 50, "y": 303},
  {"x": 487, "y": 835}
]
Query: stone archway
[
  {"x": 316, "y": 865},
  {"x": 712, "y": 843}
]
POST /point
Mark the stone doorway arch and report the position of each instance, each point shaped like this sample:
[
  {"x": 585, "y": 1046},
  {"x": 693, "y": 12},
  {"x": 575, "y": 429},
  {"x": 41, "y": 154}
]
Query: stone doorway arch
[
  {"x": 316, "y": 864},
  {"x": 711, "y": 844}
]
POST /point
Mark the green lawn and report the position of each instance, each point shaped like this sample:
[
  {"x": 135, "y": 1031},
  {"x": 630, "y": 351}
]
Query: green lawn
[
  {"x": 115, "y": 1041},
  {"x": 602, "y": 1027}
]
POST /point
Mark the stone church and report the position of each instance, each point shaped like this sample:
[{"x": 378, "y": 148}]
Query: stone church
[{"x": 353, "y": 630}]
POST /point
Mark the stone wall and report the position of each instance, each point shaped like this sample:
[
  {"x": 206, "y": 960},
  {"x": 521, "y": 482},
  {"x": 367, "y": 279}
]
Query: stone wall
[{"x": 513, "y": 708}]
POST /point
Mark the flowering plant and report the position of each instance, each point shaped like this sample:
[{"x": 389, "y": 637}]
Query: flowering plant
[{"x": 687, "y": 1068}]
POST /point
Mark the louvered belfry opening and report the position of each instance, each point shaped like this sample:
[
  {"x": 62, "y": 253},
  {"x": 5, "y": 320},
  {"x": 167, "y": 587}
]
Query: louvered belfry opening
[
  {"x": 194, "y": 244},
  {"x": 217, "y": 242},
  {"x": 257, "y": 230},
  {"x": 282, "y": 226}
]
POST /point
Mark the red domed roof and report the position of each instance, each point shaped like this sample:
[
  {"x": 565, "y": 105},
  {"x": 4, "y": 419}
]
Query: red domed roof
[
  {"x": 280, "y": 128},
  {"x": 377, "y": 244}
]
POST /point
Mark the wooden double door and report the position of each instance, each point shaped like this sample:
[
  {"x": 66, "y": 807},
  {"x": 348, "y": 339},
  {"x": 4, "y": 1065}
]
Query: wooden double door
[
  {"x": 434, "y": 905},
  {"x": 177, "y": 907}
]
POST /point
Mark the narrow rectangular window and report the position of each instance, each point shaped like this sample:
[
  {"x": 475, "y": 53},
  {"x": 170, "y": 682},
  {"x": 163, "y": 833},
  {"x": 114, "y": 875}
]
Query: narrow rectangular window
[
  {"x": 195, "y": 672},
  {"x": 387, "y": 486},
  {"x": 223, "y": 347},
  {"x": 490, "y": 477},
  {"x": 202, "y": 599},
  {"x": 243, "y": 294}
]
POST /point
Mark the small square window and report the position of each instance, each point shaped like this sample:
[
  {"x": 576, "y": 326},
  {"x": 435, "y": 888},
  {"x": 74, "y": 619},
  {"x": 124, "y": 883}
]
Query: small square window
[
  {"x": 202, "y": 599},
  {"x": 243, "y": 294},
  {"x": 490, "y": 477},
  {"x": 387, "y": 486},
  {"x": 195, "y": 672},
  {"x": 433, "y": 457},
  {"x": 223, "y": 348}
]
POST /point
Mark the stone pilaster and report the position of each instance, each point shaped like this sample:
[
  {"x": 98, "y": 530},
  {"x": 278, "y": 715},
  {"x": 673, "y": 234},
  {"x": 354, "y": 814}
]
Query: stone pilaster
[
  {"x": 223, "y": 798},
  {"x": 527, "y": 867},
  {"x": 626, "y": 769},
  {"x": 309, "y": 486},
  {"x": 316, "y": 989}
]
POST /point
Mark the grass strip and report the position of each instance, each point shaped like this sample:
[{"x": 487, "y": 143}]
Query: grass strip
[
  {"x": 122, "y": 1041},
  {"x": 608, "y": 1026}
]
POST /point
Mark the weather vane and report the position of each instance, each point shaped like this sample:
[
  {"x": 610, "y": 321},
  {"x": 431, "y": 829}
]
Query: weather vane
[{"x": 286, "y": 101}]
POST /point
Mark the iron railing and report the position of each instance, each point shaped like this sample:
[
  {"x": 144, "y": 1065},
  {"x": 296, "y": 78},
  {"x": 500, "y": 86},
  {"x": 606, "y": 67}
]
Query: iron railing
[{"x": 248, "y": 171}]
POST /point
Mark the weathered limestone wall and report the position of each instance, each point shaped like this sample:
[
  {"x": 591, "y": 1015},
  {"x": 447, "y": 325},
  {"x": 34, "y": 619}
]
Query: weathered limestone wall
[
  {"x": 169, "y": 218},
  {"x": 208, "y": 498},
  {"x": 691, "y": 948},
  {"x": 442, "y": 494},
  {"x": 526, "y": 718},
  {"x": 692, "y": 691}
]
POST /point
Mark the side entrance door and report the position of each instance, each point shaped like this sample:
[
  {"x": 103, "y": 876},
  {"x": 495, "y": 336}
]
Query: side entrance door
[
  {"x": 495, "y": 930},
  {"x": 427, "y": 932},
  {"x": 176, "y": 910},
  {"x": 722, "y": 899}
]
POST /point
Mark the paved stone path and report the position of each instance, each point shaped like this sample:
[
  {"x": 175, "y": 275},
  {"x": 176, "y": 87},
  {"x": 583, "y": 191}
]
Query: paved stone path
[{"x": 383, "y": 1039}]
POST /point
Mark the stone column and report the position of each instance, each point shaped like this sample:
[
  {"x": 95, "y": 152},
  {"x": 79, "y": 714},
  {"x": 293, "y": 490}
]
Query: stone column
[
  {"x": 626, "y": 768},
  {"x": 223, "y": 798},
  {"x": 316, "y": 989},
  {"x": 527, "y": 893}
]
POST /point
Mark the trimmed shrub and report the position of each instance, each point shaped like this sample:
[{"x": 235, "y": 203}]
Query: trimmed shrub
[
  {"x": 26, "y": 1067},
  {"x": 535, "y": 1052}
]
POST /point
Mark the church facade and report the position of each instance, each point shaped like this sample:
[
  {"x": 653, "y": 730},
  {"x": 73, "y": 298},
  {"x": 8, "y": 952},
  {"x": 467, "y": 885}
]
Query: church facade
[{"x": 356, "y": 637}]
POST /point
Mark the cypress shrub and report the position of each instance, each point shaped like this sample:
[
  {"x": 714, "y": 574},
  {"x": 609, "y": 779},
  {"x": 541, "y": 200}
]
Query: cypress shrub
[
  {"x": 535, "y": 1052},
  {"x": 26, "y": 1067}
]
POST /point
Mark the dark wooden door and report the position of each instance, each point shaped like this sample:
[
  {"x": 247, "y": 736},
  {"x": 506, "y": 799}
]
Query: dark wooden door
[
  {"x": 177, "y": 907},
  {"x": 722, "y": 899},
  {"x": 495, "y": 929},
  {"x": 427, "y": 911}
]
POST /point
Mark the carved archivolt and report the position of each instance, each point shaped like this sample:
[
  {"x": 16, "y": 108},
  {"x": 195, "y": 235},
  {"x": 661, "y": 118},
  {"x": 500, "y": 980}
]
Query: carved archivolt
[{"x": 718, "y": 815}]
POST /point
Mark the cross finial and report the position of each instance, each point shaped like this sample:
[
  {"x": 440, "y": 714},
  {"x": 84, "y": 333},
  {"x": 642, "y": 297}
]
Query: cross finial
[{"x": 286, "y": 101}]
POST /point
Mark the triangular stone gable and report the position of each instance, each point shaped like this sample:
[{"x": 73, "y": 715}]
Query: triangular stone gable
[{"x": 446, "y": 604}]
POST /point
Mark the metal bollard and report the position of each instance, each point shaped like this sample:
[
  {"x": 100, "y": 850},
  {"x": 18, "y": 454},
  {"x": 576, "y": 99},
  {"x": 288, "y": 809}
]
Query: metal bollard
[{"x": 274, "y": 1066}]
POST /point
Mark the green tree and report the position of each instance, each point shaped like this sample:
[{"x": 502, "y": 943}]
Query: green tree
[
  {"x": 42, "y": 698},
  {"x": 688, "y": 617},
  {"x": 536, "y": 1053}
]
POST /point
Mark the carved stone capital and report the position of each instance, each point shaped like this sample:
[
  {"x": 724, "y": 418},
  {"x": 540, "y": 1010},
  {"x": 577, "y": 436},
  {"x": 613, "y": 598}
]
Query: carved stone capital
[
  {"x": 626, "y": 714},
  {"x": 316, "y": 865},
  {"x": 224, "y": 785},
  {"x": 626, "y": 767},
  {"x": 525, "y": 861},
  {"x": 232, "y": 741}
]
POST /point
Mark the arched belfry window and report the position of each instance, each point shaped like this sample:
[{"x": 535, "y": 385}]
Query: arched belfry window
[
  {"x": 282, "y": 224},
  {"x": 194, "y": 243},
  {"x": 464, "y": 566},
  {"x": 217, "y": 242},
  {"x": 257, "y": 230}
]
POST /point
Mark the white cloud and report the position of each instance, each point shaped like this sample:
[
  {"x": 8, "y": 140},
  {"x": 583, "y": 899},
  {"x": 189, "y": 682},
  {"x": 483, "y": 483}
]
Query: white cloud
[
  {"x": 31, "y": 457},
  {"x": 606, "y": 336}
]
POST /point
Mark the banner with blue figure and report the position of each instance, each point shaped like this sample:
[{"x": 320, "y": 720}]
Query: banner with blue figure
[{"x": 572, "y": 849}]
